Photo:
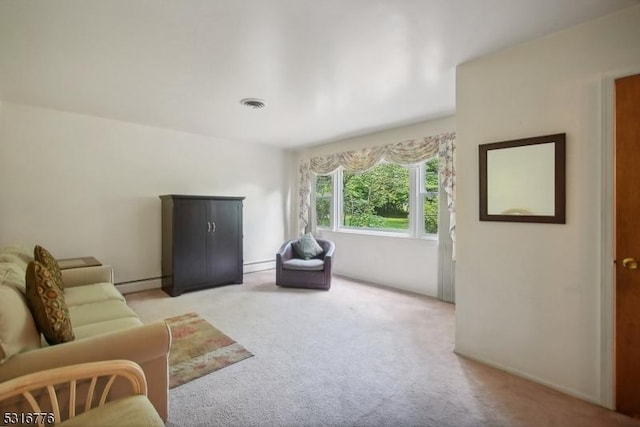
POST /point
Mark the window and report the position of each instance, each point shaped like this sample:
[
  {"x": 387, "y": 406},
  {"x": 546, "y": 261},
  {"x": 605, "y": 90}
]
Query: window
[
  {"x": 388, "y": 198},
  {"x": 377, "y": 198},
  {"x": 430, "y": 196},
  {"x": 324, "y": 189}
]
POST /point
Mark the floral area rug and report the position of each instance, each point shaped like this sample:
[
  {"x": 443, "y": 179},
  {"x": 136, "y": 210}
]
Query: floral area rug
[{"x": 198, "y": 348}]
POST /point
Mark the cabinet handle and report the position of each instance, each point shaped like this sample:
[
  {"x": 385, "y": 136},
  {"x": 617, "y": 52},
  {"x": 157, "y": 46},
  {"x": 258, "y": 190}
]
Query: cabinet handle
[
  {"x": 208, "y": 227},
  {"x": 213, "y": 226}
]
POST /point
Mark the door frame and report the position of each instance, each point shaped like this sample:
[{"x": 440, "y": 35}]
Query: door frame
[{"x": 607, "y": 294}]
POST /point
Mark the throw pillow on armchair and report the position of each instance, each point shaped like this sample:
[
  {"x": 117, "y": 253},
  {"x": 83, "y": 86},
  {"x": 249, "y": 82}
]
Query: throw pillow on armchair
[{"x": 307, "y": 247}]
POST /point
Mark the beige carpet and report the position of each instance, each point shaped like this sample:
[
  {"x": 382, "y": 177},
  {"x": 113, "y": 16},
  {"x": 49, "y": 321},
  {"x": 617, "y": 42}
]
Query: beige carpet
[
  {"x": 198, "y": 348},
  {"x": 357, "y": 355}
]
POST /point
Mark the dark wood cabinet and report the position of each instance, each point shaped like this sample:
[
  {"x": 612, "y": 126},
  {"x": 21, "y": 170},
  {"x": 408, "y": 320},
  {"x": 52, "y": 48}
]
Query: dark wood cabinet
[{"x": 201, "y": 242}]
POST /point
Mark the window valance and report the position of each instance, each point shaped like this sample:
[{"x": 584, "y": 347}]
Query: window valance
[{"x": 407, "y": 153}]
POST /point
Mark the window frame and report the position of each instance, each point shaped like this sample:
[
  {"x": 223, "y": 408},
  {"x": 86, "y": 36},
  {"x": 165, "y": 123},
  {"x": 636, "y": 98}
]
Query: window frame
[{"x": 417, "y": 196}]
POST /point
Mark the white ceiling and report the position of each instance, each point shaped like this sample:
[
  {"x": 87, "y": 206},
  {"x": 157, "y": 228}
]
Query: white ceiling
[{"x": 327, "y": 69}]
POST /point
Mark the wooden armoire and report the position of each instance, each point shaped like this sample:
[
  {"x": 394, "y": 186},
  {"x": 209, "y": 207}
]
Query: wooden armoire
[{"x": 201, "y": 242}]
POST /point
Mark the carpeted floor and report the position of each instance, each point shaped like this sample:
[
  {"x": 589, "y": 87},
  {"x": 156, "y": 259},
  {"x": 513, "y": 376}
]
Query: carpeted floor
[{"x": 357, "y": 355}]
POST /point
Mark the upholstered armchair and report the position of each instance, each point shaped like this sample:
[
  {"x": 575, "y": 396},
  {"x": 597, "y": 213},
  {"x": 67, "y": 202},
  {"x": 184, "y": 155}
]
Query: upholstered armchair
[{"x": 295, "y": 272}]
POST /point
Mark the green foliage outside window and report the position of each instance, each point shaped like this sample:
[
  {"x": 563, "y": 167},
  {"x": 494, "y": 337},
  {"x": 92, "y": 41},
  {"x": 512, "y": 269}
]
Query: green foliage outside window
[
  {"x": 323, "y": 200},
  {"x": 431, "y": 185},
  {"x": 377, "y": 198}
]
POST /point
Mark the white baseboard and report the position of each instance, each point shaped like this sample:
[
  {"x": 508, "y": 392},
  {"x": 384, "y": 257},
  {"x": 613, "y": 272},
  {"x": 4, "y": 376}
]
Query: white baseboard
[
  {"x": 143, "y": 285},
  {"x": 252, "y": 267},
  {"x": 360, "y": 278},
  {"x": 535, "y": 379}
]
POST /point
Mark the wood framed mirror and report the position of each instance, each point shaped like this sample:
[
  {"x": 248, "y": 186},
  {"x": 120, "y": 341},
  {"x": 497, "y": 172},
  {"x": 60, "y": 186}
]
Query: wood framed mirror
[{"x": 524, "y": 180}]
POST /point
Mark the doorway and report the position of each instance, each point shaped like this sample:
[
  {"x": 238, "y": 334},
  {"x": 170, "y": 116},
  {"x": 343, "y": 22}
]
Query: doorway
[{"x": 627, "y": 244}]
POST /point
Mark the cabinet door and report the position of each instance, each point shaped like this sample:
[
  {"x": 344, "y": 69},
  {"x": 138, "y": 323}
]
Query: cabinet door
[
  {"x": 225, "y": 242},
  {"x": 190, "y": 243}
]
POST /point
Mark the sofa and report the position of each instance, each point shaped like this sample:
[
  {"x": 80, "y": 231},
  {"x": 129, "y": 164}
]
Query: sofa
[{"x": 105, "y": 328}]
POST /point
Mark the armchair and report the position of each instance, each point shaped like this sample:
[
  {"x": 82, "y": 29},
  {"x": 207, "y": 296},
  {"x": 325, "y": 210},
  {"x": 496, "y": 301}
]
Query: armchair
[
  {"x": 79, "y": 395},
  {"x": 295, "y": 272}
]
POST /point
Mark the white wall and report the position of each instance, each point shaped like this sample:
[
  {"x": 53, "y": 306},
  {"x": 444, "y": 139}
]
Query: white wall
[
  {"x": 403, "y": 263},
  {"x": 528, "y": 296},
  {"x": 83, "y": 185}
]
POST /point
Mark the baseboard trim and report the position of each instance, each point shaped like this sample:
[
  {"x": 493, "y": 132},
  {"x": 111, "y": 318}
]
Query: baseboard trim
[
  {"x": 252, "y": 267},
  {"x": 156, "y": 283},
  {"x": 535, "y": 379},
  {"x": 385, "y": 285},
  {"x": 139, "y": 286}
]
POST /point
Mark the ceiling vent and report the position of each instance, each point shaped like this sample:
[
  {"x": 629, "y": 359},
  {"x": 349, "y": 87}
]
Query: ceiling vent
[{"x": 254, "y": 103}]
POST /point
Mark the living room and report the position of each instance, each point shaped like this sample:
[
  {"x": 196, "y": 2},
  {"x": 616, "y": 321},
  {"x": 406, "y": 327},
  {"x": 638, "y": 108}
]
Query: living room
[{"x": 81, "y": 174}]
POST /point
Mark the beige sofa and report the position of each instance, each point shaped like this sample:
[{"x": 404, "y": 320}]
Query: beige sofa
[{"x": 105, "y": 328}]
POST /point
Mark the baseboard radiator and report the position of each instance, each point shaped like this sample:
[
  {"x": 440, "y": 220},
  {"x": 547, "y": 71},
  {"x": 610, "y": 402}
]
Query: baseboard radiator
[{"x": 139, "y": 285}]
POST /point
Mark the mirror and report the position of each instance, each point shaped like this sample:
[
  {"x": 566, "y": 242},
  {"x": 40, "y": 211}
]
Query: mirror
[{"x": 523, "y": 180}]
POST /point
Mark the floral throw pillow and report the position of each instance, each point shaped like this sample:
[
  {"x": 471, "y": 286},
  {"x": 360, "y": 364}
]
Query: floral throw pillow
[
  {"x": 47, "y": 305},
  {"x": 45, "y": 258}
]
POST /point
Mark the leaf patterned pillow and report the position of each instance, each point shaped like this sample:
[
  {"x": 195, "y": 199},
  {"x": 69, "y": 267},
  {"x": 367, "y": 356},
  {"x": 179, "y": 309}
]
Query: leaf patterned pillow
[
  {"x": 47, "y": 304},
  {"x": 45, "y": 258}
]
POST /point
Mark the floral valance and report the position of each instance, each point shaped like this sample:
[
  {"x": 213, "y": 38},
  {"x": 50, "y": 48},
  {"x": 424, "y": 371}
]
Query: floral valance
[{"x": 407, "y": 153}]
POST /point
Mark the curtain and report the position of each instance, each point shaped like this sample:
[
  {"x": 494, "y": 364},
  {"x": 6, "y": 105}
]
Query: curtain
[
  {"x": 447, "y": 170},
  {"x": 304, "y": 196},
  {"x": 406, "y": 153}
]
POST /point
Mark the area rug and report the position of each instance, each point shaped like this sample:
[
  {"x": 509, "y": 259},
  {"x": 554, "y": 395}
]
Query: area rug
[{"x": 198, "y": 348}]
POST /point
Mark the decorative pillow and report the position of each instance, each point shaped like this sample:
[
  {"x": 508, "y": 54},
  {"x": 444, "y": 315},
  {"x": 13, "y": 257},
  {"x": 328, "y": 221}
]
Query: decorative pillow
[
  {"x": 307, "y": 247},
  {"x": 18, "y": 331},
  {"x": 45, "y": 258},
  {"x": 47, "y": 305}
]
